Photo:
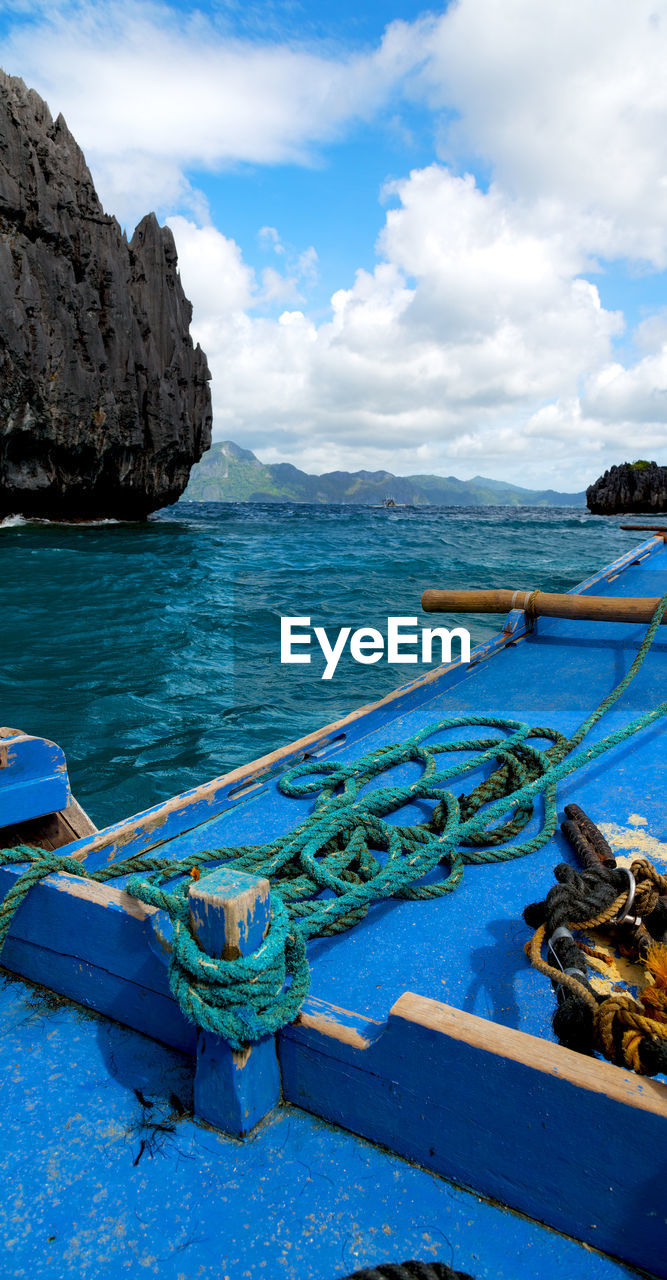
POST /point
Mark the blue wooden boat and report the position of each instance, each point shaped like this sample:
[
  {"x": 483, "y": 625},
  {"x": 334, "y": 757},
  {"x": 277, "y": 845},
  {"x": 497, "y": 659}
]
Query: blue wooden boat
[{"x": 419, "y": 1106}]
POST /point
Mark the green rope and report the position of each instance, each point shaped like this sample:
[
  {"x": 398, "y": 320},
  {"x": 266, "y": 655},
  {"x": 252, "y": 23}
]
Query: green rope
[{"x": 325, "y": 874}]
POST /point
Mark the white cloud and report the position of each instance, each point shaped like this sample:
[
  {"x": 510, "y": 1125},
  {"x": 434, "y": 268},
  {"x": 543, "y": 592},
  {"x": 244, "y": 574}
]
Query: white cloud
[
  {"x": 151, "y": 93},
  {"x": 213, "y": 269},
  {"x": 469, "y": 321},
  {"x": 480, "y": 335},
  {"x": 634, "y": 397},
  {"x": 221, "y": 284},
  {"x": 568, "y": 103}
]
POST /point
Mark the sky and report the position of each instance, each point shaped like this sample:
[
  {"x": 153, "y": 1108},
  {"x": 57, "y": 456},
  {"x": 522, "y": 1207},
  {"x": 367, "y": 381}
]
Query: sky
[{"x": 415, "y": 239}]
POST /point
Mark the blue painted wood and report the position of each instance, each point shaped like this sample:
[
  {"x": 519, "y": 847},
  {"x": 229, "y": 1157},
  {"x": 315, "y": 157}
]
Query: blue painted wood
[
  {"x": 467, "y": 948},
  {"x": 92, "y": 944},
  {"x": 574, "y": 1143},
  {"x": 230, "y": 913},
  {"x": 92, "y": 1186},
  {"x": 470, "y": 951},
  {"x": 470, "y": 944},
  {"x": 93, "y": 987},
  {"x": 33, "y": 778},
  {"x": 550, "y": 676}
]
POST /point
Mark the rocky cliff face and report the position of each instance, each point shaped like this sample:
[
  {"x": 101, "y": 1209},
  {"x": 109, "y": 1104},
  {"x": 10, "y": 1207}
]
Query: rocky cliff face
[
  {"x": 104, "y": 401},
  {"x": 629, "y": 488}
]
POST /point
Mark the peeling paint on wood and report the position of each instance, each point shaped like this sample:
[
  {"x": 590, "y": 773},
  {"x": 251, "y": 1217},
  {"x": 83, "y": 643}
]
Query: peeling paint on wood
[{"x": 634, "y": 837}]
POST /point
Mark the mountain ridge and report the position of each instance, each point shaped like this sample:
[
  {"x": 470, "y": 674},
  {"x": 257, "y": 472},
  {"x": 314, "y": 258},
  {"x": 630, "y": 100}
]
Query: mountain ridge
[{"x": 229, "y": 473}]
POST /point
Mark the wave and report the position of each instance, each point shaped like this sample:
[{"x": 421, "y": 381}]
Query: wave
[{"x": 14, "y": 522}]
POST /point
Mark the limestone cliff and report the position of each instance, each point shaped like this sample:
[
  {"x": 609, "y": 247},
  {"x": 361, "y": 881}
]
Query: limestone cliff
[
  {"x": 104, "y": 401},
  {"x": 632, "y": 487}
]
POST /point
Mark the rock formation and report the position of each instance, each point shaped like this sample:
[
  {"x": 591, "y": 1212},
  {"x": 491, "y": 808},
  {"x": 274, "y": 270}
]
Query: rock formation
[
  {"x": 633, "y": 487},
  {"x": 104, "y": 401}
]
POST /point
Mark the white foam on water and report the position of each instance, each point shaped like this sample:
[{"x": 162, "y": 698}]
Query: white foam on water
[
  {"x": 13, "y": 522},
  {"x": 78, "y": 524}
]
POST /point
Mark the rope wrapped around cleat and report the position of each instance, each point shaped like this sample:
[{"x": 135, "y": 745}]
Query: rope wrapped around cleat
[{"x": 348, "y": 853}]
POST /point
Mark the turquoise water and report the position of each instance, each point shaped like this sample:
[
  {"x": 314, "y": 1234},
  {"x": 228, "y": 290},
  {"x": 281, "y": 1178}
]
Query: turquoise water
[{"x": 151, "y": 652}]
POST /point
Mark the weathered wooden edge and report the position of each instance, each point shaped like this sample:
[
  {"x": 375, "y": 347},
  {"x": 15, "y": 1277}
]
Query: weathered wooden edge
[
  {"x": 50, "y": 830},
  {"x": 76, "y": 910},
  {"x": 36, "y": 780},
  {"x": 342, "y": 1029},
  {"x": 75, "y": 819},
  {"x": 546, "y": 1056},
  {"x": 572, "y": 1142},
  {"x": 404, "y": 1083}
]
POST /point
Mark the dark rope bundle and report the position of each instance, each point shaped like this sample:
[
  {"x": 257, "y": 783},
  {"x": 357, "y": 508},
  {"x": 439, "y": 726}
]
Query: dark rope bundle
[
  {"x": 632, "y": 905},
  {"x": 409, "y": 1271}
]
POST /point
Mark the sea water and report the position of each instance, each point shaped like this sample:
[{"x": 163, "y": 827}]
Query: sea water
[{"x": 151, "y": 652}]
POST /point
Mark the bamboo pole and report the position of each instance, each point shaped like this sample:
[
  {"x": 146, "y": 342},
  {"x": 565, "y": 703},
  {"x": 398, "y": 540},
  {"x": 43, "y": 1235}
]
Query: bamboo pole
[
  {"x": 645, "y": 528},
  {"x": 542, "y": 604}
]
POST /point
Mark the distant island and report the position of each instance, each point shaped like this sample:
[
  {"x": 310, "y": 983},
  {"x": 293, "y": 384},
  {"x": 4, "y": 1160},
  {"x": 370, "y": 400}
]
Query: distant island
[{"x": 228, "y": 473}]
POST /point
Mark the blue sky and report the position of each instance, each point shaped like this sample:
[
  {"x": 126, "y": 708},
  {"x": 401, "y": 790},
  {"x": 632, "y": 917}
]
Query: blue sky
[{"x": 421, "y": 238}]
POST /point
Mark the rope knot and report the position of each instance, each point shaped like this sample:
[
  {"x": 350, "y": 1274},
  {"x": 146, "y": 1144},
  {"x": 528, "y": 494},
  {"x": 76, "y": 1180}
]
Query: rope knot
[{"x": 246, "y": 998}]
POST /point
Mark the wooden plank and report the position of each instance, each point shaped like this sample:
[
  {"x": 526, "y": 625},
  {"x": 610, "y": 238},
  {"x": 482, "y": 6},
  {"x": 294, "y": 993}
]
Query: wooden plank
[
  {"x": 33, "y": 778},
  {"x": 573, "y": 1142},
  {"x": 230, "y": 912},
  {"x": 51, "y": 830},
  {"x": 93, "y": 987},
  {"x": 653, "y": 528},
  {"x": 95, "y": 925}
]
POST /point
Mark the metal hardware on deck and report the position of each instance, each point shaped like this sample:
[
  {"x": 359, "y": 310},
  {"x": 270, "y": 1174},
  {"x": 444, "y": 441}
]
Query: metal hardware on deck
[
  {"x": 630, "y": 899},
  {"x": 557, "y": 936},
  {"x": 561, "y": 932}
]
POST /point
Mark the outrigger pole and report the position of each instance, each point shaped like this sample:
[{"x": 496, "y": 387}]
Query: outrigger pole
[{"x": 544, "y": 604}]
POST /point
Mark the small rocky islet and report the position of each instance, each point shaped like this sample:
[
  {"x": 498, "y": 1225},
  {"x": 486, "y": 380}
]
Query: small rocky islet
[
  {"x": 105, "y": 401},
  {"x": 633, "y": 488}
]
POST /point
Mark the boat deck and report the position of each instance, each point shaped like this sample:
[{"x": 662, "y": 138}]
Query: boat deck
[
  {"x": 463, "y": 1077},
  {"x": 466, "y": 949},
  {"x": 92, "y": 1188}
]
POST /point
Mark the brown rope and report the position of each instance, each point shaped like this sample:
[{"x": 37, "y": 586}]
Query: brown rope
[
  {"x": 621, "y": 1023},
  {"x": 529, "y": 608}
]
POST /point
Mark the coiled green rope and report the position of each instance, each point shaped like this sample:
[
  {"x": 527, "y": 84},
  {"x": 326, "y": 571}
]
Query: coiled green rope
[{"x": 325, "y": 873}]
